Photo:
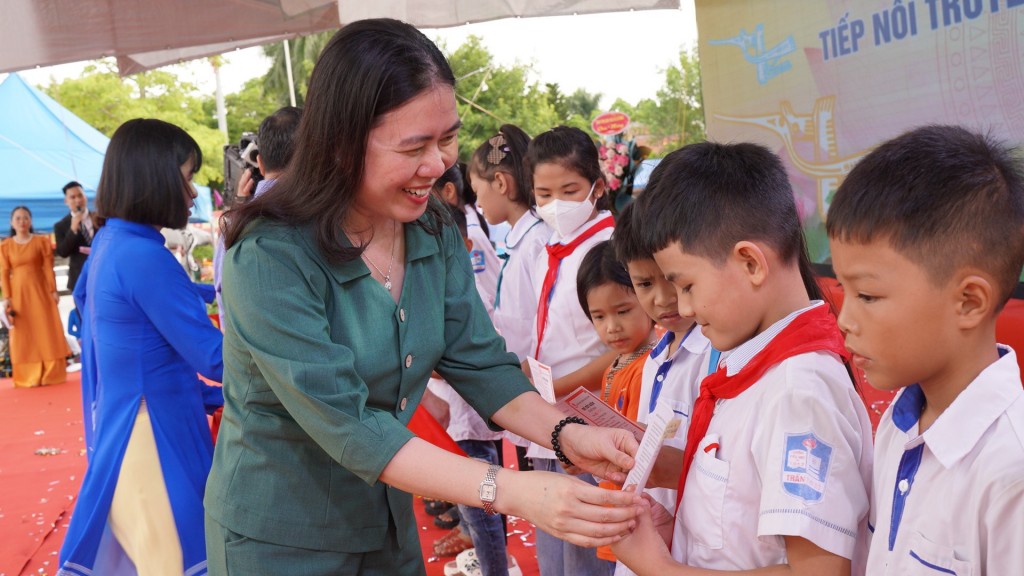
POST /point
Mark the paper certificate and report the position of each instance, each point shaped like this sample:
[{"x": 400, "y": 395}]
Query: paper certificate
[
  {"x": 542, "y": 379},
  {"x": 585, "y": 404},
  {"x": 661, "y": 424}
]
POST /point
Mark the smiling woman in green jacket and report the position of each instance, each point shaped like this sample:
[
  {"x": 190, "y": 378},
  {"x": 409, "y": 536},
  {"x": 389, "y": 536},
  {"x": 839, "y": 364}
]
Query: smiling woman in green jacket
[{"x": 348, "y": 289}]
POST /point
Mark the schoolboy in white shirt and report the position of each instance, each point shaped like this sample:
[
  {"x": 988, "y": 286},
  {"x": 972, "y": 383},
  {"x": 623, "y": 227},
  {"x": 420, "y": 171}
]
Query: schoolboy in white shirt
[
  {"x": 927, "y": 237},
  {"x": 681, "y": 357},
  {"x": 776, "y": 471}
]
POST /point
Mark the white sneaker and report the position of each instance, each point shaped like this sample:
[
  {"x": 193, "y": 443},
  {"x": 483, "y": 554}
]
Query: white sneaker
[
  {"x": 469, "y": 564},
  {"x": 451, "y": 569}
]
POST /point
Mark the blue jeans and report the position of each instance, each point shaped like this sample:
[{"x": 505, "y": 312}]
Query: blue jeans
[
  {"x": 486, "y": 530},
  {"x": 557, "y": 557}
]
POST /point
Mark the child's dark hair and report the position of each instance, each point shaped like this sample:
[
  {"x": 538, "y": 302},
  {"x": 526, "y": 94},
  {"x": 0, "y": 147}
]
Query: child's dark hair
[
  {"x": 944, "y": 197},
  {"x": 570, "y": 148},
  {"x": 458, "y": 219},
  {"x": 453, "y": 175},
  {"x": 506, "y": 152},
  {"x": 709, "y": 196},
  {"x": 456, "y": 175},
  {"x": 627, "y": 239},
  {"x": 600, "y": 267}
]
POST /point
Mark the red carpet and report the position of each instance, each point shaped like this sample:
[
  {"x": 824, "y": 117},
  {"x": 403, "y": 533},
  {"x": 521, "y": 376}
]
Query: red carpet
[{"x": 42, "y": 462}]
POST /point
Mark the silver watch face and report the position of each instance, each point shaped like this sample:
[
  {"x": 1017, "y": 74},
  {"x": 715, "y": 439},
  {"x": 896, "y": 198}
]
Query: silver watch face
[{"x": 488, "y": 491}]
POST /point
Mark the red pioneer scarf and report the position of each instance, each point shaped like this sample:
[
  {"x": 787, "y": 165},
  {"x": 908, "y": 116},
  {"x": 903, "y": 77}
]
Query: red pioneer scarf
[
  {"x": 812, "y": 331},
  {"x": 556, "y": 253}
]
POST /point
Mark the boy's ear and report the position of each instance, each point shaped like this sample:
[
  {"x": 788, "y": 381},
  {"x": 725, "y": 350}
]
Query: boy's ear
[
  {"x": 975, "y": 299},
  {"x": 469, "y": 243},
  {"x": 751, "y": 260}
]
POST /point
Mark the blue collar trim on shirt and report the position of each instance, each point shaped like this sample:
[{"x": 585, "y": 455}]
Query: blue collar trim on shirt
[
  {"x": 907, "y": 409},
  {"x": 511, "y": 245},
  {"x": 905, "y": 475},
  {"x": 905, "y": 413},
  {"x": 505, "y": 256},
  {"x": 659, "y": 377},
  {"x": 662, "y": 374},
  {"x": 665, "y": 341}
]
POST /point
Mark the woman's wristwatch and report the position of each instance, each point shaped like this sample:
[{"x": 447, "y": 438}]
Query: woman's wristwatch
[{"x": 489, "y": 489}]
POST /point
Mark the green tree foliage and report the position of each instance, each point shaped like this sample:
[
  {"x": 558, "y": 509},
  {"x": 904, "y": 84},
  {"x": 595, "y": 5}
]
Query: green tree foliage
[
  {"x": 577, "y": 109},
  {"x": 247, "y": 108},
  {"x": 583, "y": 104},
  {"x": 304, "y": 53},
  {"x": 676, "y": 116},
  {"x": 105, "y": 100},
  {"x": 490, "y": 95}
]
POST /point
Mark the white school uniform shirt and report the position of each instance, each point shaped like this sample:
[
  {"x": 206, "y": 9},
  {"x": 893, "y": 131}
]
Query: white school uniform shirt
[
  {"x": 790, "y": 456},
  {"x": 515, "y": 310},
  {"x": 674, "y": 380},
  {"x": 464, "y": 422},
  {"x": 951, "y": 500},
  {"x": 515, "y": 304},
  {"x": 486, "y": 263},
  {"x": 570, "y": 340}
]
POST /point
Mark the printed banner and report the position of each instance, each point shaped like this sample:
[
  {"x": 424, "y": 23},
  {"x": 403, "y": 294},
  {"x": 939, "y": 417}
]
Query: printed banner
[{"x": 823, "y": 82}]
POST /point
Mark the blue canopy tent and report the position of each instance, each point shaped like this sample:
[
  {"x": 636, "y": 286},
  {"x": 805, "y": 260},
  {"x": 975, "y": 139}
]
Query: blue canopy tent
[{"x": 43, "y": 146}]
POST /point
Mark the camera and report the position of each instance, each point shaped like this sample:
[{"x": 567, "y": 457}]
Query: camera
[{"x": 237, "y": 159}]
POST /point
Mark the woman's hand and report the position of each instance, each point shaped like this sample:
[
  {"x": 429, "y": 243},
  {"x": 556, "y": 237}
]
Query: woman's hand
[
  {"x": 604, "y": 452},
  {"x": 567, "y": 507}
]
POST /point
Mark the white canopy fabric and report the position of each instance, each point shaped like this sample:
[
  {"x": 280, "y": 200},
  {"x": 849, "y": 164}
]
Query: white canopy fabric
[
  {"x": 444, "y": 13},
  {"x": 145, "y": 34}
]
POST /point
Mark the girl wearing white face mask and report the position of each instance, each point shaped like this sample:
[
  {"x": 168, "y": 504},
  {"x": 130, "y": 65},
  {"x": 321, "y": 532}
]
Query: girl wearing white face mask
[{"x": 569, "y": 187}]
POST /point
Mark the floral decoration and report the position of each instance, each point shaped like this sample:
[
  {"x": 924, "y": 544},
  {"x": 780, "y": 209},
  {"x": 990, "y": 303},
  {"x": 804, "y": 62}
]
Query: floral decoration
[{"x": 620, "y": 158}]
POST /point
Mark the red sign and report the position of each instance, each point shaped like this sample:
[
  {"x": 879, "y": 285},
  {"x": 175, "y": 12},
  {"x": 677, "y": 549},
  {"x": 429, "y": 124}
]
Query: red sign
[{"x": 610, "y": 123}]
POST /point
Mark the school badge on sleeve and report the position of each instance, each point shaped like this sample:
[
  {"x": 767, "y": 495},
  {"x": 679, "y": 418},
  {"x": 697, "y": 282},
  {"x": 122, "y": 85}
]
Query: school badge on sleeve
[
  {"x": 805, "y": 470},
  {"x": 477, "y": 258}
]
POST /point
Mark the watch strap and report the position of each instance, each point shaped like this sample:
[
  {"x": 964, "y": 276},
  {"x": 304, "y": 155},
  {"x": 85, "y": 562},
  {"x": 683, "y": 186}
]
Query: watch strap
[{"x": 490, "y": 480}]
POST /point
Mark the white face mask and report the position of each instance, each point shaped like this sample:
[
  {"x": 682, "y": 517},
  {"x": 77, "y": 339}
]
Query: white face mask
[{"x": 566, "y": 216}]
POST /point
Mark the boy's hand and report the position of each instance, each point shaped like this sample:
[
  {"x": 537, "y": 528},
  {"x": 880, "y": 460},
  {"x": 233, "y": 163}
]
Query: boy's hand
[{"x": 645, "y": 551}]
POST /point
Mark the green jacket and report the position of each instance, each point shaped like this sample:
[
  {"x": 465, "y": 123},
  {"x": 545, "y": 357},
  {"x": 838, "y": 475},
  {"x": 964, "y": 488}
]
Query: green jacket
[{"x": 322, "y": 372}]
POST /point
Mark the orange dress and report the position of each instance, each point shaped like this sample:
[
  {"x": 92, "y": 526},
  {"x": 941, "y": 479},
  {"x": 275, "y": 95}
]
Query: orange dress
[
  {"x": 622, "y": 392},
  {"x": 622, "y": 382},
  {"x": 38, "y": 349}
]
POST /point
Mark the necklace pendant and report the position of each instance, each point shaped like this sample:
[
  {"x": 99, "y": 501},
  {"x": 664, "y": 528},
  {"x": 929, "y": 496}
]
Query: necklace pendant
[{"x": 387, "y": 283}]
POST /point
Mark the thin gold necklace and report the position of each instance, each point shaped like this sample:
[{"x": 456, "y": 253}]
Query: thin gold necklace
[{"x": 387, "y": 277}]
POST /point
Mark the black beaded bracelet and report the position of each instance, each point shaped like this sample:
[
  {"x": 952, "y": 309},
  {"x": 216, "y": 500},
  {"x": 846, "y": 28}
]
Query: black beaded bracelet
[{"x": 557, "y": 431}]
